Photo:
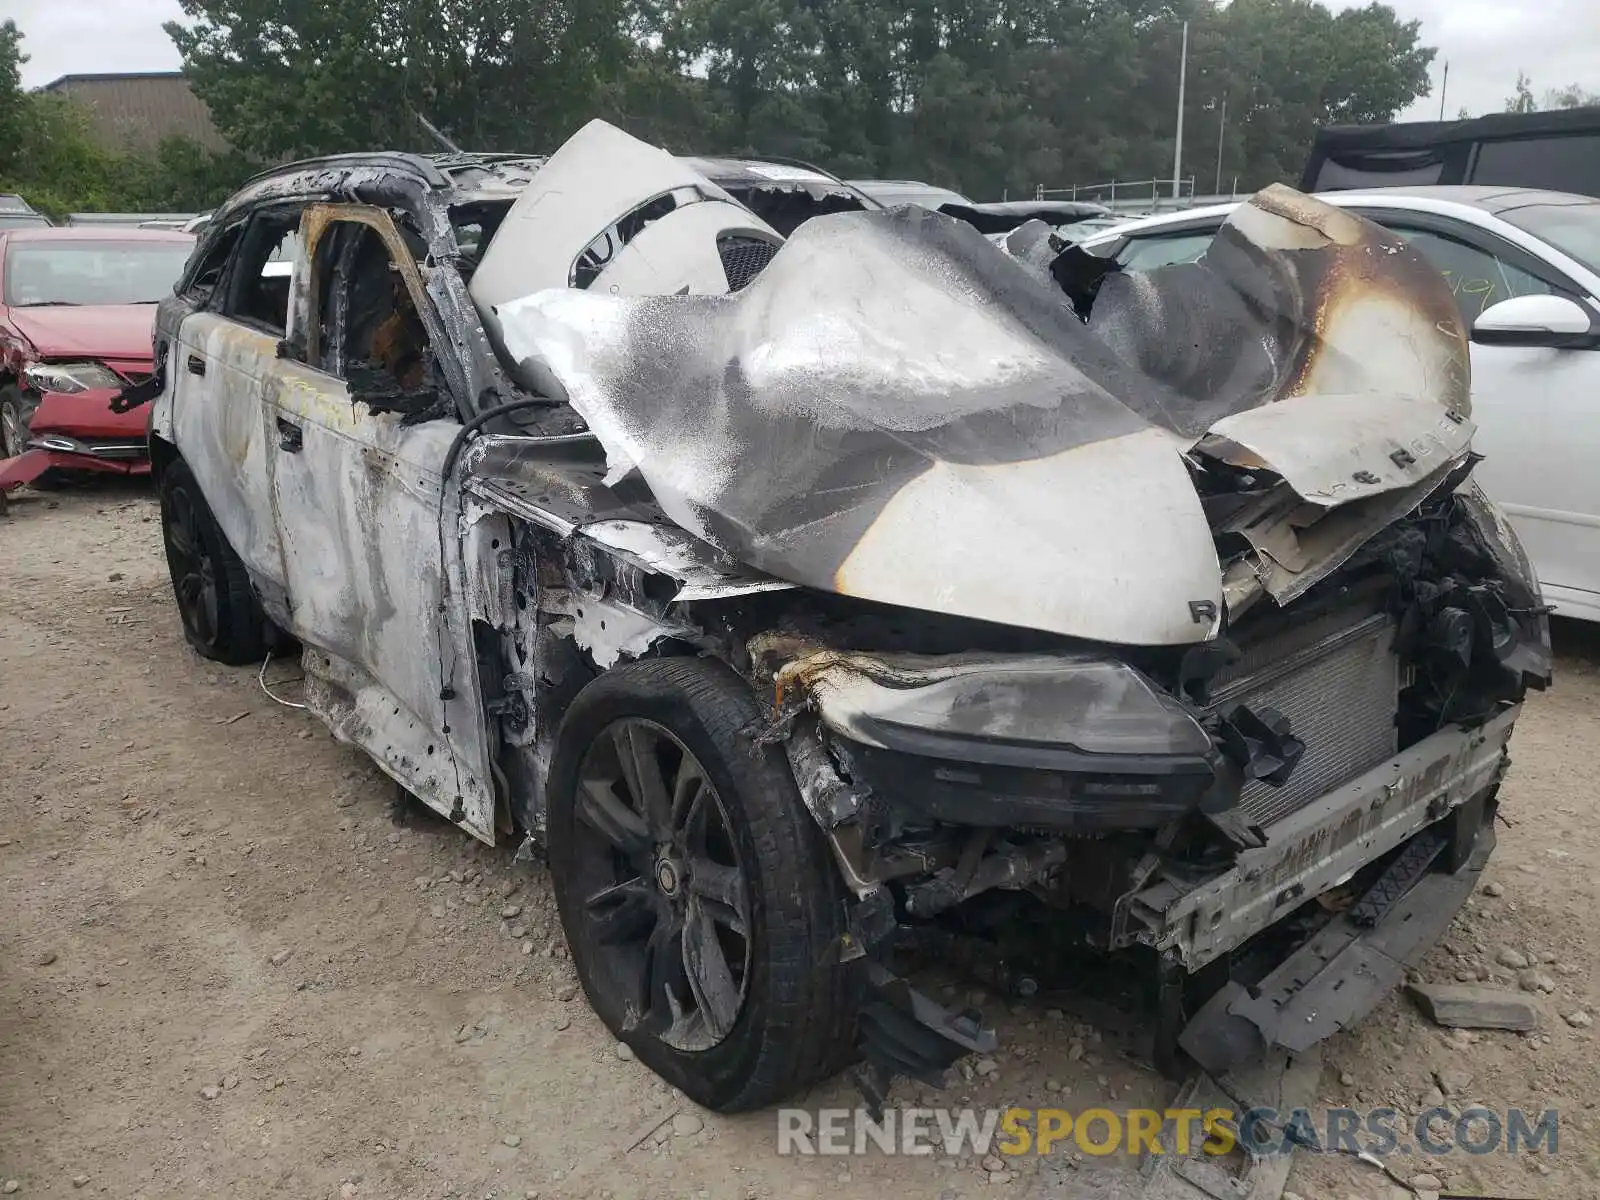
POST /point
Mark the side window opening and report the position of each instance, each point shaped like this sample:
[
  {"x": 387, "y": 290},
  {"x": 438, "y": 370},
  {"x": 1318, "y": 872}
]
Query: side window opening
[
  {"x": 1145, "y": 254},
  {"x": 475, "y": 226},
  {"x": 207, "y": 273},
  {"x": 1478, "y": 279},
  {"x": 371, "y": 334},
  {"x": 258, "y": 287}
]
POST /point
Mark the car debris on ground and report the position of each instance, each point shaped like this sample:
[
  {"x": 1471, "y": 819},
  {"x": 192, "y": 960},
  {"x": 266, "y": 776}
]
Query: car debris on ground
[{"x": 1459, "y": 1006}]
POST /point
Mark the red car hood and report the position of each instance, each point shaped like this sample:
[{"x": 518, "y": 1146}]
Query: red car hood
[{"x": 114, "y": 331}]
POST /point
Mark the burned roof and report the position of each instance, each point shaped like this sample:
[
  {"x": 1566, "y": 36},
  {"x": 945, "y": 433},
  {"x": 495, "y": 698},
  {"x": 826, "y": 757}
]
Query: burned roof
[{"x": 462, "y": 177}]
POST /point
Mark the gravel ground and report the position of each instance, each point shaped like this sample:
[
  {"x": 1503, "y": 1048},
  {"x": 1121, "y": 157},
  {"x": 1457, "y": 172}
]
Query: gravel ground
[{"x": 233, "y": 967}]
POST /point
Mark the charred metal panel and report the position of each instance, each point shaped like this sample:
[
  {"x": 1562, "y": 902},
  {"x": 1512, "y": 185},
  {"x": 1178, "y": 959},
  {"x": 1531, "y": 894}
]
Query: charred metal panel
[
  {"x": 559, "y": 484},
  {"x": 893, "y": 410},
  {"x": 220, "y": 420},
  {"x": 1292, "y": 298},
  {"x": 1298, "y": 545},
  {"x": 358, "y": 508},
  {"x": 617, "y": 215},
  {"x": 362, "y": 712},
  {"x": 556, "y": 482},
  {"x": 1333, "y": 450}
]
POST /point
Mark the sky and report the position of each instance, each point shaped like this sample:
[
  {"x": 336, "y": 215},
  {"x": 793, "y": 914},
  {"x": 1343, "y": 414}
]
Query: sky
[{"x": 1556, "y": 42}]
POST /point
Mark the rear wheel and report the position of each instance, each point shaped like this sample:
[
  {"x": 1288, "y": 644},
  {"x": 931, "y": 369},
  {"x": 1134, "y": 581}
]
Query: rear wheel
[
  {"x": 702, "y": 910},
  {"x": 221, "y": 617}
]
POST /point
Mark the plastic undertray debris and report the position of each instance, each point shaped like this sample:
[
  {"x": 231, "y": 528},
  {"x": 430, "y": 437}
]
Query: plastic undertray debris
[{"x": 1283, "y": 1082}]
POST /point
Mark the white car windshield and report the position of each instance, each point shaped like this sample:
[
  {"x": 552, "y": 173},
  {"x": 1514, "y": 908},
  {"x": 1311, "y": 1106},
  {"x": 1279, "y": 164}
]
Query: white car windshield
[
  {"x": 92, "y": 272},
  {"x": 1573, "y": 229}
]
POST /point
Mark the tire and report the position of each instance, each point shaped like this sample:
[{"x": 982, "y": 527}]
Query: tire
[
  {"x": 57, "y": 480},
  {"x": 15, "y": 412},
  {"x": 221, "y": 617},
  {"x": 794, "y": 1020},
  {"x": 12, "y": 421}
]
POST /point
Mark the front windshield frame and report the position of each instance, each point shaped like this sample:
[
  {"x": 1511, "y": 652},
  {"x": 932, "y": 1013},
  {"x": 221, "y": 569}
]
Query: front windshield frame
[
  {"x": 146, "y": 283},
  {"x": 1556, "y": 224}
]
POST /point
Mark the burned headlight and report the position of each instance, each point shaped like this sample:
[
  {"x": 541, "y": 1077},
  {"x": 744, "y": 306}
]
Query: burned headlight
[
  {"x": 1004, "y": 709},
  {"x": 69, "y": 378},
  {"x": 1043, "y": 742},
  {"x": 1521, "y": 626}
]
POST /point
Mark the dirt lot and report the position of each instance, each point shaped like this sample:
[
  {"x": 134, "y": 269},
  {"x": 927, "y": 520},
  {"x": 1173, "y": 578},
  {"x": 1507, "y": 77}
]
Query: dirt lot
[{"x": 229, "y": 971}]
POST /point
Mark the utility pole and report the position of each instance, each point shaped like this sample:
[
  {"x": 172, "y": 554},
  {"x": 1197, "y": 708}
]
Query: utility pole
[
  {"x": 1444, "y": 86},
  {"x": 1222, "y": 135},
  {"x": 1177, "y": 145}
]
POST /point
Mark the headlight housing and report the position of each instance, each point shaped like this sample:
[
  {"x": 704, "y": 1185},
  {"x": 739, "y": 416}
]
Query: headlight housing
[
  {"x": 1015, "y": 710},
  {"x": 1011, "y": 741},
  {"x": 67, "y": 379}
]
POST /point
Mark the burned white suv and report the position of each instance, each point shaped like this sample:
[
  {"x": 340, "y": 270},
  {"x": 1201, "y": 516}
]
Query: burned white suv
[{"x": 800, "y": 577}]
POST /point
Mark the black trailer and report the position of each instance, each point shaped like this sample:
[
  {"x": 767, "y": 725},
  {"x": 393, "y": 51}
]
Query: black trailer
[{"x": 1558, "y": 151}]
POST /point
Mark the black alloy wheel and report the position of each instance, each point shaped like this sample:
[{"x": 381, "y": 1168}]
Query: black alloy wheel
[
  {"x": 700, "y": 902},
  {"x": 663, "y": 889},
  {"x": 221, "y": 616},
  {"x": 194, "y": 572}
]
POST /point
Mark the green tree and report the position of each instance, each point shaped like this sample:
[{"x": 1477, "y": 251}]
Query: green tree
[
  {"x": 988, "y": 96},
  {"x": 50, "y": 155},
  {"x": 1572, "y": 96},
  {"x": 184, "y": 176},
  {"x": 13, "y": 101},
  {"x": 58, "y": 166},
  {"x": 1522, "y": 101},
  {"x": 1289, "y": 67},
  {"x": 294, "y": 77}
]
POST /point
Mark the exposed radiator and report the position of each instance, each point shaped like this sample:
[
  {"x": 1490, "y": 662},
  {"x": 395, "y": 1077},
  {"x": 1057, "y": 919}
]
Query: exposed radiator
[{"x": 1337, "y": 679}]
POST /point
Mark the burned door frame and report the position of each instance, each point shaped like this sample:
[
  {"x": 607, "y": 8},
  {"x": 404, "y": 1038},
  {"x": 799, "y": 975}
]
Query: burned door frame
[
  {"x": 214, "y": 397},
  {"x": 374, "y": 585}
]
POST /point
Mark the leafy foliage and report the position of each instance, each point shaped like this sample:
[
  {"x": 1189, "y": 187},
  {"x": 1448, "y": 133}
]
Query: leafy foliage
[
  {"x": 1574, "y": 95},
  {"x": 987, "y": 96},
  {"x": 983, "y": 95},
  {"x": 293, "y": 77},
  {"x": 1571, "y": 96},
  {"x": 1522, "y": 101},
  {"x": 49, "y": 154}
]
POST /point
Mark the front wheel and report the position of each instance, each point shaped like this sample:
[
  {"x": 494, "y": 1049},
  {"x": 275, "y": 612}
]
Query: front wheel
[
  {"x": 703, "y": 913},
  {"x": 13, "y": 423}
]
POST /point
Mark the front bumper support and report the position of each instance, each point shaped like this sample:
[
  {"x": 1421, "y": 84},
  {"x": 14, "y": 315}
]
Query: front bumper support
[
  {"x": 1351, "y": 964},
  {"x": 1320, "y": 846}
]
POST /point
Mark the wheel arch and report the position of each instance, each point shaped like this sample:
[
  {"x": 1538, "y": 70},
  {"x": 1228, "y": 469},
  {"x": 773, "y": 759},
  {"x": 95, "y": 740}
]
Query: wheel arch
[
  {"x": 554, "y": 611},
  {"x": 162, "y": 455}
]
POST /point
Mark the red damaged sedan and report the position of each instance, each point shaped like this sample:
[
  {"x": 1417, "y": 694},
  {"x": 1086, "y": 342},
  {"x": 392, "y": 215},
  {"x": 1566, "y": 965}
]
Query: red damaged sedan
[{"x": 76, "y": 309}]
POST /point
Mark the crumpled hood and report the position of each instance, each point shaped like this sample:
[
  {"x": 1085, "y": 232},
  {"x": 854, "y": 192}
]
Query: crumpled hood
[
  {"x": 897, "y": 411},
  {"x": 100, "y": 331}
]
